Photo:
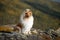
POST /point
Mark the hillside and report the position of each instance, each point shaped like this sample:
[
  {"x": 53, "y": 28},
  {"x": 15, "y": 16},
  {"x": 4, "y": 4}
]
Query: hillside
[{"x": 45, "y": 12}]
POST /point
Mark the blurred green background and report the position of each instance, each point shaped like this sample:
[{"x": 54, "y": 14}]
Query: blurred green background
[{"x": 46, "y": 12}]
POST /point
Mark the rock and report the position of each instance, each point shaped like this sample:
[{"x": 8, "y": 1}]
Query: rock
[
  {"x": 36, "y": 34},
  {"x": 9, "y": 28},
  {"x": 58, "y": 31}
]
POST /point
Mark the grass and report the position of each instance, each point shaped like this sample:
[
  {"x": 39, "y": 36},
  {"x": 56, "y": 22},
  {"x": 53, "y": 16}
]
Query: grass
[{"x": 11, "y": 10}]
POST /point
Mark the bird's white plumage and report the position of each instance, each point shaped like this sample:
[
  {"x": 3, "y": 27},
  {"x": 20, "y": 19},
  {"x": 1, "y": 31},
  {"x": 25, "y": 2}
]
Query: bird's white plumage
[{"x": 27, "y": 22}]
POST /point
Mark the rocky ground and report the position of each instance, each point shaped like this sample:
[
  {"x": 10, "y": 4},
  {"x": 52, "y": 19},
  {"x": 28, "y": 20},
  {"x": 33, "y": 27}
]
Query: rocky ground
[{"x": 36, "y": 34}]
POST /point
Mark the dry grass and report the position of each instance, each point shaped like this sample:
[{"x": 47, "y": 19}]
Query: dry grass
[{"x": 11, "y": 10}]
